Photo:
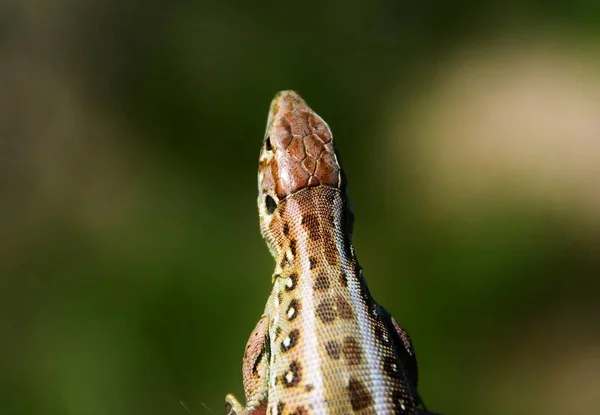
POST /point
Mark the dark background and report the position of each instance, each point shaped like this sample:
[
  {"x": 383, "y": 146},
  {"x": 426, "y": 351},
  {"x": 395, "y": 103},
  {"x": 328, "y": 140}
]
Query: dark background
[{"x": 132, "y": 269}]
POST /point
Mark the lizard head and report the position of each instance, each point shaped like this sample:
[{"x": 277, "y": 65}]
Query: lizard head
[{"x": 297, "y": 152}]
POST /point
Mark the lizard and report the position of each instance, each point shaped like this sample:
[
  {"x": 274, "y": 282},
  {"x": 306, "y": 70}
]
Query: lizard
[{"x": 323, "y": 344}]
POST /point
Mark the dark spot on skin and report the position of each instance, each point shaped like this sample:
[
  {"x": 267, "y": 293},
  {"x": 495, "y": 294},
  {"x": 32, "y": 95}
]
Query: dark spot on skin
[
  {"x": 284, "y": 262},
  {"x": 343, "y": 308},
  {"x": 292, "y": 376},
  {"x": 326, "y": 311},
  {"x": 331, "y": 254},
  {"x": 310, "y": 221},
  {"x": 300, "y": 410},
  {"x": 309, "y": 387},
  {"x": 321, "y": 282},
  {"x": 293, "y": 282},
  {"x": 312, "y": 262},
  {"x": 286, "y": 229},
  {"x": 293, "y": 336},
  {"x": 270, "y": 204},
  {"x": 343, "y": 279},
  {"x": 277, "y": 332},
  {"x": 333, "y": 349},
  {"x": 352, "y": 352},
  {"x": 392, "y": 367},
  {"x": 293, "y": 247},
  {"x": 268, "y": 144},
  {"x": 294, "y": 305},
  {"x": 282, "y": 206},
  {"x": 360, "y": 398},
  {"x": 402, "y": 403},
  {"x": 280, "y": 297},
  {"x": 257, "y": 362},
  {"x": 381, "y": 335},
  {"x": 262, "y": 164},
  {"x": 280, "y": 407}
]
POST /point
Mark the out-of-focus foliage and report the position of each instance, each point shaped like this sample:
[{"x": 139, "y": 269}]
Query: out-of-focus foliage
[{"x": 131, "y": 262}]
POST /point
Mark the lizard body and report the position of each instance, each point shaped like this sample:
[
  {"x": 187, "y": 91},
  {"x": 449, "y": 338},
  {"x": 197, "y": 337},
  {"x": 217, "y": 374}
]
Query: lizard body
[{"x": 323, "y": 345}]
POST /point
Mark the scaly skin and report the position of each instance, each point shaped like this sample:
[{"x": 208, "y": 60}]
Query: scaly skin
[{"x": 323, "y": 345}]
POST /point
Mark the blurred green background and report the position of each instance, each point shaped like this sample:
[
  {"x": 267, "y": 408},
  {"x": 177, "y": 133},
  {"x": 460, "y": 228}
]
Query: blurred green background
[{"x": 132, "y": 269}]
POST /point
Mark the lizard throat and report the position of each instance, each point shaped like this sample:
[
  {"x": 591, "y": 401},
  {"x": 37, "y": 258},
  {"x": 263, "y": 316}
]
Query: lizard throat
[{"x": 312, "y": 222}]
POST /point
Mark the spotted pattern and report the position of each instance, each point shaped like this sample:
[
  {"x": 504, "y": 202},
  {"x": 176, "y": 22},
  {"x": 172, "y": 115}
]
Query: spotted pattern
[
  {"x": 293, "y": 310},
  {"x": 290, "y": 341},
  {"x": 284, "y": 262},
  {"x": 359, "y": 395},
  {"x": 293, "y": 247},
  {"x": 344, "y": 279},
  {"x": 326, "y": 311},
  {"x": 310, "y": 221},
  {"x": 333, "y": 349},
  {"x": 401, "y": 402},
  {"x": 343, "y": 308},
  {"x": 392, "y": 368},
  {"x": 300, "y": 410},
  {"x": 257, "y": 362},
  {"x": 321, "y": 283},
  {"x": 312, "y": 261},
  {"x": 382, "y": 335},
  {"x": 331, "y": 255},
  {"x": 291, "y": 282},
  {"x": 352, "y": 351},
  {"x": 293, "y": 375}
]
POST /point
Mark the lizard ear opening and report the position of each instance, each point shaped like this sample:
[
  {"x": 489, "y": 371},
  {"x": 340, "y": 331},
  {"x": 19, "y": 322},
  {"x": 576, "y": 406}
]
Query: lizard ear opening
[
  {"x": 270, "y": 204},
  {"x": 268, "y": 144}
]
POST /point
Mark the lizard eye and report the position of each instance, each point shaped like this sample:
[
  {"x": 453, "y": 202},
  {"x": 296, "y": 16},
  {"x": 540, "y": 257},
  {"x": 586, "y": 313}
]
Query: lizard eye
[
  {"x": 268, "y": 144},
  {"x": 270, "y": 204}
]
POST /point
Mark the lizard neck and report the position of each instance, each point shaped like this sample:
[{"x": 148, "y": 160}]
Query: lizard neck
[{"x": 310, "y": 230}]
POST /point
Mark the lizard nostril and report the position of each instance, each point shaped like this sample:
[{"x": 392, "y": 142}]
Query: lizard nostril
[
  {"x": 268, "y": 144},
  {"x": 270, "y": 204}
]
